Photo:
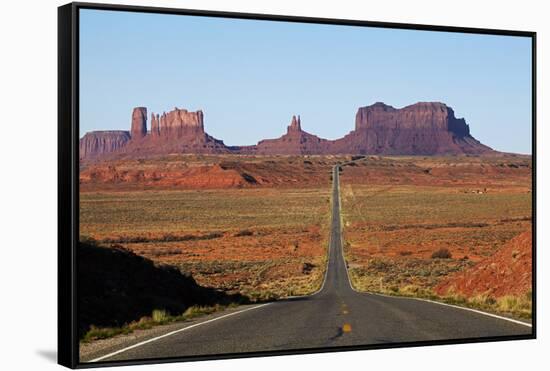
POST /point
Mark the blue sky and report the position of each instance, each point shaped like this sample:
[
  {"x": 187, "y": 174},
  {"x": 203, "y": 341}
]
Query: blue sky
[{"x": 249, "y": 77}]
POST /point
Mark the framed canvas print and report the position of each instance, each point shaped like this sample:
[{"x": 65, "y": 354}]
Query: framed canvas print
[{"x": 237, "y": 185}]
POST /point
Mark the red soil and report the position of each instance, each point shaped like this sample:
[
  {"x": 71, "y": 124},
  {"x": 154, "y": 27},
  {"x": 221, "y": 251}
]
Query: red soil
[
  {"x": 508, "y": 272},
  {"x": 213, "y": 172},
  {"x": 192, "y": 177},
  {"x": 477, "y": 172}
]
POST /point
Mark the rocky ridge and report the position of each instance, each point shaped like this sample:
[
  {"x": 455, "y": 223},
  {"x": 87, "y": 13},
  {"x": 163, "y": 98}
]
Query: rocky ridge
[{"x": 425, "y": 128}]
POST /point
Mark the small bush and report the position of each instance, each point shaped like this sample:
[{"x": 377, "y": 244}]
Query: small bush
[
  {"x": 159, "y": 316},
  {"x": 243, "y": 233},
  {"x": 96, "y": 333},
  {"x": 263, "y": 296},
  {"x": 510, "y": 303},
  {"x": 482, "y": 300},
  {"x": 165, "y": 252},
  {"x": 307, "y": 268},
  {"x": 211, "y": 236},
  {"x": 378, "y": 265},
  {"x": 442, "y": 254},
  {"x": 197, "y": 310},
  {"x": 167, "y": 237},
  {"x": 249, "y": 178},
  {"x": 409, "y": 290}
]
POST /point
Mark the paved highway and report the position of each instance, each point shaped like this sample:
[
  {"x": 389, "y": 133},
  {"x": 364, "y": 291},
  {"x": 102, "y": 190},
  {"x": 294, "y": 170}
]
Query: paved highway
[{"x": 336, "y": 315}]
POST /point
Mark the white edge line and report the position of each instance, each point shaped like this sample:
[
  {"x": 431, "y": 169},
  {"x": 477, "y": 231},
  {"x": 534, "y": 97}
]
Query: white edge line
[
  {"x": 420, "y": 299},
  {"x": 230, "y": 314},
  {"x": 290, "y": 297},
  {"x": 172, "y": 333},
  {"x": 227, "y": 315},
  {"x": 455, "y": 306}
]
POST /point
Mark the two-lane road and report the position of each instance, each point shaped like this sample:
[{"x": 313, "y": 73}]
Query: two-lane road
[{"x": 335, "y": 316}]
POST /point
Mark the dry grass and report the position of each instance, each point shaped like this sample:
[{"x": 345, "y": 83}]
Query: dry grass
[
  {"x": 411, "y": 222},
  {"x": 252, "y": 241},
  {"x": 158, "y": 213},
  {"x": 385, "y": 220},
  {"x": 509, "y": 305},
  {"x": 158, "y": 317}
]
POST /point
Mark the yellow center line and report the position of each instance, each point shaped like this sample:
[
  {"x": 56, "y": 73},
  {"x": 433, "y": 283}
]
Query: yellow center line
[
  {"x": 346, "y": 328},
  {"x": 344, "y": 309}
]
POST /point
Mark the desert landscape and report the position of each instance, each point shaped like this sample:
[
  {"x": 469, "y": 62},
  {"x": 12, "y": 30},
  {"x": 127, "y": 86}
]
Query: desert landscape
[
  {"x": 252, "y": 186},
  {"x": 265, "y": 239},
  {"x": 420, "y": 225},
  {"x": 427, "y": 212}
]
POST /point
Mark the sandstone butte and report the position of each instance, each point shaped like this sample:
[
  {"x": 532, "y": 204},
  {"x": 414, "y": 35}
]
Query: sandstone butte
[{"x": 425, "y": 128}]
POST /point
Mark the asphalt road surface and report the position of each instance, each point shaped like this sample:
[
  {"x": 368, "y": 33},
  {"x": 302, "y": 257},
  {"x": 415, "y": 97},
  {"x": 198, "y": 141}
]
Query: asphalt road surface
[{"x": 336, "y": 315}]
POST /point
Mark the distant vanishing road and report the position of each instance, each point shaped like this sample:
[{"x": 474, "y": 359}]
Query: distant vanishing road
[{"x": 333, "y": 317}]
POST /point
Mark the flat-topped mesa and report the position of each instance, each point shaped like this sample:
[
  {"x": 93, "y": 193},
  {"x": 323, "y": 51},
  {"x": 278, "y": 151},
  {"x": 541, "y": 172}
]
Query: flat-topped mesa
[
  {"x": 97, "y": 143},
  {"x": 180, "y": 123},
  {"x": 425, "y": 128},
  {"x": 419, "y": 116},
  {"x": 139, "y": 123}
]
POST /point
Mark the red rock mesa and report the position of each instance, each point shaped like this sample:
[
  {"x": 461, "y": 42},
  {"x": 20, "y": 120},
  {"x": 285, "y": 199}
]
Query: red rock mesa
[{"x": 426, "y": 128}]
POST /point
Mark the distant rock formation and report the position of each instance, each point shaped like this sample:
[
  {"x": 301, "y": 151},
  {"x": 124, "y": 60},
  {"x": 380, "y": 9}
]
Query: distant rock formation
[
  {"x": 294, "y": 142},
  {"x": 97, "y": 143},
  {"x": 181, "y": 123},
  {"x": 178, "y": 131},
  {"x": 425, "y": 128},
  {"x": 155, "y": 125},
  {"x": 295, "y": 125},
  {"x": 419, "y": 129},
  {"x": 139, "y": 123}
]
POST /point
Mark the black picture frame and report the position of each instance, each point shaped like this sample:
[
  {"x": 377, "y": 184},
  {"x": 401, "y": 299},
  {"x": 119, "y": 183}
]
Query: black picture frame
[{"x": 68, "y": 169}]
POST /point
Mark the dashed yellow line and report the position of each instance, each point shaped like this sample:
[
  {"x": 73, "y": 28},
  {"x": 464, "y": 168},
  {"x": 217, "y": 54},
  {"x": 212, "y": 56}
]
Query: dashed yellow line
[
  {"x": 346, "y": 328},
  {"x": 345, "y": 309}
]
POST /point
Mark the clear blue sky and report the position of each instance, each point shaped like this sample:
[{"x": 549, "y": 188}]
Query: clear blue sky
[{"x": 250, "y": 77}]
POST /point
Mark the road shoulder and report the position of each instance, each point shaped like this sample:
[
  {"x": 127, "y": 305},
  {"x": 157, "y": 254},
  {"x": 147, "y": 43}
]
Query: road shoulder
[{"x": 99, "y": 348}]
